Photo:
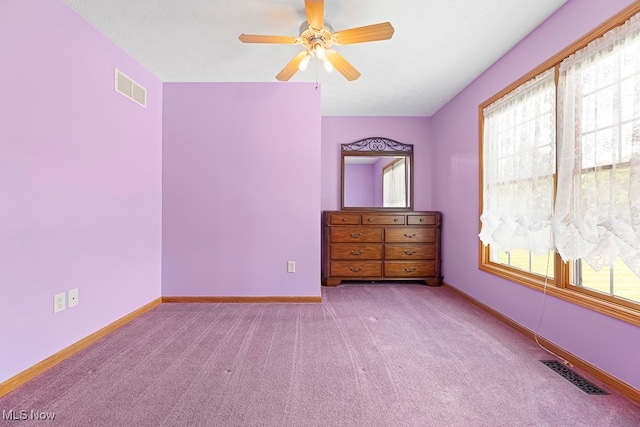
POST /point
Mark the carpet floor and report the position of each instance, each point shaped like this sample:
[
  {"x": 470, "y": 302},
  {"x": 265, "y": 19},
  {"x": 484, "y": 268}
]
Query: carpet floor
[{"x": 368, "y": 355}]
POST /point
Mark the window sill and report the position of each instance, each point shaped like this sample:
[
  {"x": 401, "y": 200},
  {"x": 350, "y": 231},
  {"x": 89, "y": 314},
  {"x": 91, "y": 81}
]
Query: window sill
[{"x": 617, "y": 311}]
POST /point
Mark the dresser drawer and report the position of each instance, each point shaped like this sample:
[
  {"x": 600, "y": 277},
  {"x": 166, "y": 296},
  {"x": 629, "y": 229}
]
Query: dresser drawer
[
  {"x": 383, "y": 219},
  {"x": 410, "y": 269},
  {"x": 356, "y": 234},
  {"x": 421, "y": 219},
  {"x": 409, "y": 235},
  {"x": 356, "y": 269},
  {"x": 351, "y": 251},
  {"x": 344, "y": 219},
  {"x": 407, "y": 252}
]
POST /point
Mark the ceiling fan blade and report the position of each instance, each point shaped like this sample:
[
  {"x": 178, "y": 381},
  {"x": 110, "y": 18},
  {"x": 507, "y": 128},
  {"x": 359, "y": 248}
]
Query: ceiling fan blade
[
  {"x": 342, "y": 65},
  {"x": 252, "y": 38},
  {"x": 369, "y": 33},
  {"x": 291, "y": 68},
  {"x": 315, "y": 13}
]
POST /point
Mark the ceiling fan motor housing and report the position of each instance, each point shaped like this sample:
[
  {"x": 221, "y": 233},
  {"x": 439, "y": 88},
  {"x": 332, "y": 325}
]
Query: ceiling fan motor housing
[{"x": 310, "y": 37}]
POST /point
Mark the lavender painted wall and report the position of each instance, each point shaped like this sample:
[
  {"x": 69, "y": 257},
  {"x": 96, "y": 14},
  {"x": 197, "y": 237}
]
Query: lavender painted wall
[
  {"x": 80, "y": 182},
  {"x": 610, "y": 344},
  {"x": 409, "y": 130},
  {"x": 241, "y": 189},
  {"x": 360, "y": 188}
]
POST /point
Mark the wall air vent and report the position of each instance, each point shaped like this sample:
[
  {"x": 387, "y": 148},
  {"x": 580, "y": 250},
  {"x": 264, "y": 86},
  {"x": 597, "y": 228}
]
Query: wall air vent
[{"x": 129, "y": 88}]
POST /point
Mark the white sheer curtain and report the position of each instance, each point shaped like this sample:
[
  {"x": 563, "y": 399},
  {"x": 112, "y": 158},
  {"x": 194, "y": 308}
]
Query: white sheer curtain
[
  {"x": 393, "y": 185},
  {"x": 519, "y": 162},
  {"x": 597, "y": 214}
]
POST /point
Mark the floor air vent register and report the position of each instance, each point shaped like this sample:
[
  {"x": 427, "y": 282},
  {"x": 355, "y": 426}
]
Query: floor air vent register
[{"x": 575, "y": 379}]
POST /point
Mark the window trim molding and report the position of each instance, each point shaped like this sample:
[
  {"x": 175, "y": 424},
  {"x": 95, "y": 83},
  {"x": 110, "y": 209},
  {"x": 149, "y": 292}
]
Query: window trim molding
[
  {"x": 580, "y": 297},
  {"x": 555, "y": 287}
]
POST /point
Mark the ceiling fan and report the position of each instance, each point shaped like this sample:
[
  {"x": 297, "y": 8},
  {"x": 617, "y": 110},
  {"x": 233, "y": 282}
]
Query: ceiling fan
[{"x": 317, "y": 37}]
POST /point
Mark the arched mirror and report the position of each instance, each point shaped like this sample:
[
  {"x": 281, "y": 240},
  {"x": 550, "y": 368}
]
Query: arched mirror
[{"x": 376, "y": 173}]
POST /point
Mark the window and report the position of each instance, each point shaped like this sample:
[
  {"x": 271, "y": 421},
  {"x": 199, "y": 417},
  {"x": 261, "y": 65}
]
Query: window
[
  {"x": 527, "y": 261},
  {"x": 519, "y": 163},
  {"x": 562, "y": 208},
  {"x": 616, "y": 280},
  {"x": 394, "y": 177},
  {"x": 600, "y": 147}
]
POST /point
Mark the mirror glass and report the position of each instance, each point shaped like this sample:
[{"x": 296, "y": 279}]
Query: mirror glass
[{"x": 376, "y": 179}]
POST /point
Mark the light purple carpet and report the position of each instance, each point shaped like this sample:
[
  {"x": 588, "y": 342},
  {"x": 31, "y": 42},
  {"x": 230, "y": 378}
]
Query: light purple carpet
[{"x": 369, "y": 355}]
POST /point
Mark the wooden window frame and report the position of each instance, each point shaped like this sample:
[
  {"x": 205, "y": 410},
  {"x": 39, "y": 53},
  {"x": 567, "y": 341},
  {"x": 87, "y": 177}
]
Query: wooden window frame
[{"x": 559, "y": 285}]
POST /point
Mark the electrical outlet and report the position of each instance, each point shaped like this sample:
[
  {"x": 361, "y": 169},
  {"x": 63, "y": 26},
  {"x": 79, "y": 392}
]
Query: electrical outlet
[
  {"x": 291, "y": 266},
  {"x": 59, "y": 302},
  {"x": 73, "y": 297}
]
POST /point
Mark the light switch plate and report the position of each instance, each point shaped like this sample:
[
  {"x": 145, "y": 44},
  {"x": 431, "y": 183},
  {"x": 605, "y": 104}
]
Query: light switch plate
[{"x": 73, "y": 297}]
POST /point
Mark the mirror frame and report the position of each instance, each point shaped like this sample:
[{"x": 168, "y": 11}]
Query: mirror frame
[{"x": 376, "y": 147}]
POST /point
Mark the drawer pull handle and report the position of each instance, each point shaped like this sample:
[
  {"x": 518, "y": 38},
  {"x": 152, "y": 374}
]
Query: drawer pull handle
[
  {"x": 360, "y": 252},
  {"x": 408, "y": 252},
  {"x": 410, "y": 269},
  {"x": 344, "y": 219},
  {"x": 395, "y": 219},
  {"x": 409, "y": 236},
  {"x": 355, "y": 269},
  {"x": 357, "y": 235},
  {"x": 421, "y": 219},
  {"x": 370, "y": 220}
]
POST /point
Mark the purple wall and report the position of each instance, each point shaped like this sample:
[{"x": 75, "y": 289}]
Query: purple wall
[
  {"x": 360, "y": 190},
  {"x": 408, "y": 130},
  {"x": 80, "y": 182},
  {"x": 610, "y": 344},
  {"x": 241, "y": 189}
]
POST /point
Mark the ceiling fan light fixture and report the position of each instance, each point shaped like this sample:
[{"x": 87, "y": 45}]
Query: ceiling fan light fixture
[
  {"x": 305, "y": 62},
  {"x": 327, "y": 65},
  {"x": 319, "y": 50},
  {"x": 316, "y": 38}
]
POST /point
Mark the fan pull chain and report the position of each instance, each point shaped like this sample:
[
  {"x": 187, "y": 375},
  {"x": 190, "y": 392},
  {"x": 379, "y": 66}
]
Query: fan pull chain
[{"x": 317, "y": 84}]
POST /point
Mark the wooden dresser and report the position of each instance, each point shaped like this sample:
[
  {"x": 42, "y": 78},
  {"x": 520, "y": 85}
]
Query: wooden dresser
[{"x": 380, "y": 245}]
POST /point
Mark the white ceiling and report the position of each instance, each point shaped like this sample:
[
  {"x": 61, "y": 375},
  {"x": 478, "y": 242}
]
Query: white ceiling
[{"x": 438, "y": 48}]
